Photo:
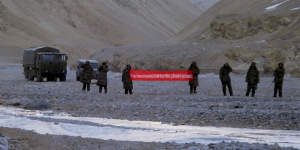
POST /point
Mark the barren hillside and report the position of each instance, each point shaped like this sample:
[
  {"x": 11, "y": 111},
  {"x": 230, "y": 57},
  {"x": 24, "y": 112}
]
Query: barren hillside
[
  {"x": 235, "y": 10},
  {"x": 204, "y": 4},
  {"x": 265, "y": 31},
  {"x": 234, "y": 31},
  {"x": 80, "y": 27}
]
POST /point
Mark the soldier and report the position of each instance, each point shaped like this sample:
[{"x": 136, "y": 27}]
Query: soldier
[
  {"x": 86, "y": 76},
  {"x": 194, "y": 83},
  {"x": 127, "y": 82},
  {"x": 278, "y": 79},
  {"x": 225, "y": 78},
  {"x": 102, "y": 77},
  {"x": 252, "y": 79}
]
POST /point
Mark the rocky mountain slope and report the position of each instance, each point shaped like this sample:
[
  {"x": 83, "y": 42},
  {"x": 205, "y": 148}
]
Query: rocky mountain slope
[
  {"x": 204, "y": 4},
  {"x": 265, "y": 31},
  {"x": 234, "y": 31},
  {"x": 135, "y": 31},
  {"x": 81, "y": 27}
]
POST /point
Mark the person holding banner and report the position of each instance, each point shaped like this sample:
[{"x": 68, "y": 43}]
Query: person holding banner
[
  {"x": 127, "y": 81},
  {"x": 194, "y": 83}
]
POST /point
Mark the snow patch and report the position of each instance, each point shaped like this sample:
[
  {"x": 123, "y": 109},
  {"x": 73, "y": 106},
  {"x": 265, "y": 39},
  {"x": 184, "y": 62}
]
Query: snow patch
[
  {"x": 209, "y": 75},
  {"x": 297, "y": 8},
  {"x": 204, "y": 4},
  {"x": 275, "y": 6},
  {"x": 261, "y": 41}
]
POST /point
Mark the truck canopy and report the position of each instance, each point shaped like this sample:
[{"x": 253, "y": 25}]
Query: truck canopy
[
  {"x": 42, "y": 49},
  {"x": 30, "y": 53}
]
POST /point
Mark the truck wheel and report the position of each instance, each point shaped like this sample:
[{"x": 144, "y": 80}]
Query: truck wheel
[
  {"x": 62, "y": 78},
  {"x": 26, "y": 76},
  {"x": 25, "y": 72},
  {"x": 31, "y": 78},
  {"x": 51, "y": 78},
  {"x": 39, "y": 78}
]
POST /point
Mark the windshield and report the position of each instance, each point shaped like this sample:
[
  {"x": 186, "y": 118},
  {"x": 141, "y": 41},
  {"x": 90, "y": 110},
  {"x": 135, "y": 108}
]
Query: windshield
[
  {"x": 94, "y": 65},
  {"x": 54, "y": 57}
]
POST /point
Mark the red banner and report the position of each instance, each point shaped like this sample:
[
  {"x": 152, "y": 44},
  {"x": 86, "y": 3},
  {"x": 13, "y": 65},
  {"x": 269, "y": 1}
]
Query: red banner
[{"x": 139, "y": 75}]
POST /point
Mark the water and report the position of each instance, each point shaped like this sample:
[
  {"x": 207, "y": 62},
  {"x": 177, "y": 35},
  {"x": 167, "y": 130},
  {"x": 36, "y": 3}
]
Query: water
[{"x": 47, "y": 122}]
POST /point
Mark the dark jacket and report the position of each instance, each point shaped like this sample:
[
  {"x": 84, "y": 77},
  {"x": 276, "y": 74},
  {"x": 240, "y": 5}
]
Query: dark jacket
[
  {"x": 279, "y": 75},
  {"x": 102, "y": 76},
  {"x": 224, "y": 74},
  {"x": 252, "y": 77},
  {"x": 196, "y": 72},
  {"x": 87, "y": 74},
  {"x": 127, "y": 82}
]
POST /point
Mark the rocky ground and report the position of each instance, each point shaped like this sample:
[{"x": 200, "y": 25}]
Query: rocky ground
[
  {"x": 161, "y": 101},
  {"x": 167, "y": 102}
]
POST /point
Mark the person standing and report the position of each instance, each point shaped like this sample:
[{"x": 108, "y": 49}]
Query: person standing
[
  {"x": 127, "y": 82},
  {"x": 278, "y": 79},
  {"x": 225, "y": 78},
  {"x": 194, "y": 83},
  {"x": 86, "y": 76},
  {"x": 102, "y": 77},
  {"x": 252, "y": 79}
]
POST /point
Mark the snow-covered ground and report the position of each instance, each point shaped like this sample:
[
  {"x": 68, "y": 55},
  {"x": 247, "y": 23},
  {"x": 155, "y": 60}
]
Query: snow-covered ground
[
  {"x": 141, "y": 131},
  {"x": 297, "y": 8}
]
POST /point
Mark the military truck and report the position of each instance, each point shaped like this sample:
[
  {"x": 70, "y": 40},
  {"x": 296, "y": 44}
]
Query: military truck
[
  {"x": 94, "y": 64},
  {"x": 44, "y": 62}
]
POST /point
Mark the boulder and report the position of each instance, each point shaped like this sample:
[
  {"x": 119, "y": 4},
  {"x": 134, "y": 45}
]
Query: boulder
[
  {"x": 235, "y": 27},
  {"x": 3, "y": 142}
]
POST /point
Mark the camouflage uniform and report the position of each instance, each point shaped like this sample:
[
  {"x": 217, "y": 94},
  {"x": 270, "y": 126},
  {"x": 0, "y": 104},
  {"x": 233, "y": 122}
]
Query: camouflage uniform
[
  {"x": 252, "y": 79},
  {"x": 86, "y": 76},
  {"x": 127, "y": 82},
  {"x": 225, "y": 78},
  {"x": 194, "y": 83},
  {"x": 278, "y": 79},
  {"x": 102, "y": 77}
]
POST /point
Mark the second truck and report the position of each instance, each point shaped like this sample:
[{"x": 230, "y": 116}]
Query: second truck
[{"x": 44, "y": 62}]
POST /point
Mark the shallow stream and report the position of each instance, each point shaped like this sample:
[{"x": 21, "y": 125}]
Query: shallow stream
[{"x": 47, "y": 122}]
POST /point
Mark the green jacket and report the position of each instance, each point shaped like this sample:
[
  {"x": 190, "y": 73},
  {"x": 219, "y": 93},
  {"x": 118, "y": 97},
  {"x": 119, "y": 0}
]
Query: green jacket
[
  {"x": 87, "y": 74},
  {"x": 279, "y": 75},
  {"x": 196, "y": 72},
  {"x": 127, "y": 82},
  {"x": 224, "y": 74},
  {"x": 252, "y": 76},
  {"x": 102, "y": 76}
]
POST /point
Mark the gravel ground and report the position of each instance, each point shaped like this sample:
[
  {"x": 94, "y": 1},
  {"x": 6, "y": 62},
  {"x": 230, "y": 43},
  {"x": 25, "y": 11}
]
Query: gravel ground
[
  {"x": 161, "y": 101},
  {"x": 25, "y": 140}
]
